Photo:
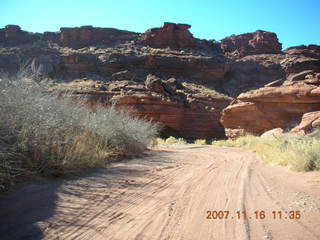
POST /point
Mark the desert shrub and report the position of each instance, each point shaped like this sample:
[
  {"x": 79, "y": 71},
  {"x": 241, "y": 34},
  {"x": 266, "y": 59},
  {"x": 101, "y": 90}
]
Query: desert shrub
[
  {"x": 54, "y": 133},
  {"x": 173, "y": 140},
  {"x": 298, "y": 152},
  {"x": 200, "y": 141},
  {"x": 170, "y": 140}
]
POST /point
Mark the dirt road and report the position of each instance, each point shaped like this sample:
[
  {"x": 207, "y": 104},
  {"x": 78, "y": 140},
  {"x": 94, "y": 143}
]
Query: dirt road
[{"x": 167, "y": 195}]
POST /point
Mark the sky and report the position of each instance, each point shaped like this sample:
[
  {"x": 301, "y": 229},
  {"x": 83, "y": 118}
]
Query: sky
[{"x": 296, "y": 22}]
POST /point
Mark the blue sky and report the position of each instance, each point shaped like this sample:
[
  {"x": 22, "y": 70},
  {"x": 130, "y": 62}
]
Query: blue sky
[{"x": 295, "y": 21}]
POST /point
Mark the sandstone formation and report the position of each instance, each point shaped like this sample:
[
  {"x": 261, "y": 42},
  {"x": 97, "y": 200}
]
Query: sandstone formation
[
  {"x": 311, "y": 50},
  {"x": 308, "y": 122},
  {"x": 258, "y": 111},
  {"x": 170, "y": 35},
  {"x": 181, "y": 111},
  {"x": 176, "y": 79},
  {"x": 259, "y": 42},
  {"x": 194, "y": 67},
  {"x": 301, "y": 58},
  {"x": 88, "y": 35},
  {"x": 13, "y": 35},
  {"x": 199, "y": 119},
  {"x": 76, "y": 37},
  {"x": 253, "y": 72},
  {"x": 256, "y": 71}
]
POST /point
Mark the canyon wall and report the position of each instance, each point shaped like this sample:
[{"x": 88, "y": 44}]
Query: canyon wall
[{"x": 180, "y": 81}]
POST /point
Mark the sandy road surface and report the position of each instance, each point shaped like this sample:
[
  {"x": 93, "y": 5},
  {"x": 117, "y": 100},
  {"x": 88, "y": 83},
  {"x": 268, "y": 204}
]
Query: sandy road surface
[{"x": 166, "y": 195}]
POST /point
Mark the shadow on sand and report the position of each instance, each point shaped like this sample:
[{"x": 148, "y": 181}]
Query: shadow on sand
[{"x": 25, "y": 213}]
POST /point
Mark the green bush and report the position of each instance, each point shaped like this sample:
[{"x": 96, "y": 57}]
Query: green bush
[
  {"x": 200, "y": 141},
  {"x": 169, "y": 141}
]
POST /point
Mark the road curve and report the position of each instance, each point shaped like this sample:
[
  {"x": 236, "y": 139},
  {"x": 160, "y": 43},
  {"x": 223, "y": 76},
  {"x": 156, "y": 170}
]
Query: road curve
[{"x": 184, "y": 192}]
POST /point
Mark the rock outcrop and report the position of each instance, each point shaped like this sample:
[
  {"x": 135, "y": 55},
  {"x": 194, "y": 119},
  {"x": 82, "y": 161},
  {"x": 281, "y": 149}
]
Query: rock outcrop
[
  {"x": 258, "y": 111},
  {"x": 301, "y": 58},
  {"x": 308, "y": 122},
  {"x": 170, "y": 35},
  {"x": 258, "y": 42},
  {"x": 253, "y": 72},
  {"x": 88, "y": 35},
  {"x": 312, "y": 51},
  {"x": 76, "y": 37},
  {"x": 199, "y": 68},
  {"x": 198, "y": 119},
  {"x": 256, "y": 71},
  {"x": 12, "y": 35},
  {"x": 178, "y": 80}
]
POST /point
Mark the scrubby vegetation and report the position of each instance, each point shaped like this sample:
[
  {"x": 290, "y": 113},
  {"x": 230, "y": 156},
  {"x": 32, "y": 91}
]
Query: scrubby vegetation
[
  {"x": 170, "y": 140},
  {"x": 200, "y": 141},
  {"x": 47, "y": 134},
  {"x": 298, "y": 152}
]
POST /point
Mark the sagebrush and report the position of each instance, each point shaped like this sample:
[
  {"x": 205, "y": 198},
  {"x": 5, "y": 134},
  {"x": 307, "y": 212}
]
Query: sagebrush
[{"x": 53, "y": 133}]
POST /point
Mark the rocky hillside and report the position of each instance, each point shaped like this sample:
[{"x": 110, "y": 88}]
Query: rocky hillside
[{"x": 168, "y": 75}]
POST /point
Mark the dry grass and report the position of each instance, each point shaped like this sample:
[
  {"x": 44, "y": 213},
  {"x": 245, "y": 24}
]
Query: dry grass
[
  {"x": 297, "y": 152},
  {"x": 50, "y": 134}
]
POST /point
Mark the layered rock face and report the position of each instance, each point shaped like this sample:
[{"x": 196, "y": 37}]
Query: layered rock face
[
  {"x": 12, "y": 35},
  {"x": 76, "y": 37},
  {"x": 168, "y": 103},
  {"x": 258, "y": 111},
  {"x": 178, "y": 80},
  {"x": 312, "y": 51},
  {"x": 259, "y": 42},
  {"x": 301, "y": 58},
  {"x": 170, "y": 35},
  {"x": 255, "y": 71},
  {"x": 184, "y": 120},
  {"x": 88, "y": 35},
  {"x": 199, "y": 68}
]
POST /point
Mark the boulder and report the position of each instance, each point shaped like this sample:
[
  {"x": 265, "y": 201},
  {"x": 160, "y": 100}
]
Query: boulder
[
  {"x": 155, "y": 84},
  {"x": 170, "y": 35},
  {"x": 272, "y": 133},
  {"x": 171, "y": 85},
  {"x": 309, "y": 120}
]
